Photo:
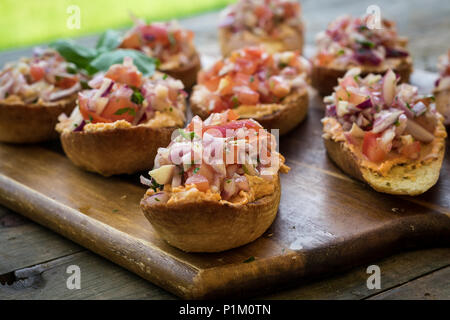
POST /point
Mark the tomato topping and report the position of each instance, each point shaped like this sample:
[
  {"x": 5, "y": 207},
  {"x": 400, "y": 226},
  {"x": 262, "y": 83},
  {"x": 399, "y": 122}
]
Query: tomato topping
[
  {"x": 234, "y": 125},
  {"x": 88, "y": 114},
  {"x": 37, "y": 72},
  {"x": 246, "y": 96},
  {"x": 411, "y": 150},
  {"x": 66, "y": 82},
  {"x": 279, "y": 88},
  {"x": 120, "y": 108},
  {"x": 200, "y": 182},
  {"x": 232, "y": 115},
  {"x": 154, "y": 33},
  {"x": 125, "y": 74},
  {"x": 132, "y": 41},
  {"x": 371, "y": 147}
]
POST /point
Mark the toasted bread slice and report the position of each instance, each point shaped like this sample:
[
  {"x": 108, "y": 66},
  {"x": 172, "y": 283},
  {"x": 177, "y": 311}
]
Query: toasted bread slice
[
  {"x": 31, "y": 123},
  {"x": 400, "y": 180},
  {"x": 443, "y": 104},
  {"x": 187, "y": 74},
  {"x": 230, "y": 41},
  {"x": 287, "y": 115},
  {"x": 212, "y": 226},
  {"x": 116, "y": 151},
  {"x": 324, "y": 79}
]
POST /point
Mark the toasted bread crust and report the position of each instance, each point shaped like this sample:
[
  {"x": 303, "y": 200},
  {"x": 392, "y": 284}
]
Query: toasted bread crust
[
  {"x": 188, "y": 73},
  {"x": 443, "y": 104},
  {"x": 295, "y": 108},
  {"x": 324, "y": 79},
  {"x": 400, "y": 180},
  {"x": 116, "y": 151},
  {"x": 212, "y": 226},
  {"x": 230, "y": 41},
  {"x": 31, "y": 123}
]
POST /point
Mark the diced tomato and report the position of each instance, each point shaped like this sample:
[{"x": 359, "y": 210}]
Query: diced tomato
[
  {"x": 263, "y": 12},
  {"x": 232, "y": 115},
  {"x": 348, "y": 82},
  {"x": 246, "y": 96},
  {"x": 87, "y": 114},
  {"x": 152, "y": 33},
  {"x": 200, "y": 182},
  {"x": 120, "y": 108},
  {"x": 278, "y": 87},
  {"x": 211, "y": 83},
  {"x": 242, "y": 79},
  {"x": 66, "y": 82},
  {"x": 324, "y": 58},
  {"x": 291, "y": 9},
  {"x": 220, "y": 105},
  {"x": 125, "y": 74},
  {"x": 246, "y": 65},
  {"x": 411, "y": 150},
  {"x": 206, "y": 171},
  {"x": 131, "y": 41},
  {"x": 234, "y": 125},
  {"x": 37, "y": 72},
  {"x": 371, "y": 147},
  {"x": 225, "y": 86}
]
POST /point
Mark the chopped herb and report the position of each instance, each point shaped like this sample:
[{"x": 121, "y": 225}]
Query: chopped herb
[
  {"x": 115, "y": 210},
  {"x": 156, "y": 199},
  {"x": 75, "y": 125},
  {"x": 397, "y": 123},
  {"x": 366, "y": 43},
  {"x": 137, "y": 97},
  {"x": 170, "y": 109},
  {"x": 356, "y": 77},
  {"x": 432, "y": 98},
  {"x": 348, "y": 94},
  {"x": 245, "y": 169},
  {"x": 235, "y": 102},
  {"x": 71, "y": 70},
  {"x": 196, "y": 170},
  {"x": 409, "y": 107},
  {"x": 340, "y": 99},
  {"x": 252, "y": 258},
  {"x": 58, "y": 78},
  {"x": 130, "y": 111},
  {"x": 229, "y": 181},
  {"x": 155, "y": 185},
  {"x": 84, "y": 84},
  {"x": 362, "y": 28},
  {"x": 187, "y": 135},
  {"x": 165, "y": 76},
  {"x": 340, "y": 52},
  {"x": 252, "y": 78},
  {"x": 282, "y": 65}
]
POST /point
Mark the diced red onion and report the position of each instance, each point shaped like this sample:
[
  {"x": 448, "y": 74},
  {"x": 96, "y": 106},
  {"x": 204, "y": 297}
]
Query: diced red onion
[
  {"x": 396, "y": 53},
  {"x": 418, "y": 132},
  {"x": 385, "y": 120},
  {"x": 365, "y": 56},
  {"x": 365, "y": 104},
  {"x": 80, "y": 126}
]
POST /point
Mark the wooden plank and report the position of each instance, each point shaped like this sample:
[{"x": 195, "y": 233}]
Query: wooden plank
[
  {"x": 395, "y": 271},
  {"x": 25, "y": 244},
  {"x": 320, "y": 228},
  {"x": 431, "y": 287},
  {"x": 100, "y": 279}
]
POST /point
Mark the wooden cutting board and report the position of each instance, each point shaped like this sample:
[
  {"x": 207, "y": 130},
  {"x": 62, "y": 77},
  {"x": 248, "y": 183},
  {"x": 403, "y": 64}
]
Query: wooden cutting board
[{"x": 326, "y": 222}]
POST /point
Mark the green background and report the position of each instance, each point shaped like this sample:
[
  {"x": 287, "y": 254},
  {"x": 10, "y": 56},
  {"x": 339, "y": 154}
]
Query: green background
[{"x": 28, "y": 22}]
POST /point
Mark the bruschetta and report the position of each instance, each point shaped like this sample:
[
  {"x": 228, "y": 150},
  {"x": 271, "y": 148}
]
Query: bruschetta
[
  {"x": 119, "y": 124},
  {"x": 270, "y": 88},
  {"x": 384, "y": 134},
  {"x": 348, "y": 42},
  {"x": 274, "y": 24},
  {"x": 216, "y": 186},
  {"x": 171, "y": 44},
  {"x": 442, "y": 88},
  {"x": 33, "y": 93}
]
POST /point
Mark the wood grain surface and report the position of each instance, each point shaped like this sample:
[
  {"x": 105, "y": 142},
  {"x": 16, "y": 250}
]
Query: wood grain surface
[{"x": 327, "y": 222}]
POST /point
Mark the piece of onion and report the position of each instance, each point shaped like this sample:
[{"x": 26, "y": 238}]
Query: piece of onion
[
  {"x": 64, "y": 93},
  {"x": 365, "y": 104},
  {"x": 385, "y": 120},
  {"x": 389, "y": 82},
  {"x": 158, "y": 198},
  {"x": 418, "y": 131}
]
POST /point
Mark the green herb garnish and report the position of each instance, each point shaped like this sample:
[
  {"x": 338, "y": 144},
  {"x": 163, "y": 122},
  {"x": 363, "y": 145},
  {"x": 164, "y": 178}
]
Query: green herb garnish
[
  {"x": 165, "y": 76},
  {"x": 187, "y": 135},
  {"x": 137, "y": 97},
  {"x": 235, "y": 102},
  {"x": 252, "y": 78},
  {"x": 366, "y": 43},
  {"x": 156, "y": 199},
  {"x": 130, "y": 111},
  {"x": 409, "y": 107},
  {"x": 115, "y": 210},
  {"x": 340, "y": 52},
  {"x": 84, "y": 84},
  {"x": 71, "y": 69},
  {"x": 196, "y": 170},
  {"x": 282, "y": 65}
]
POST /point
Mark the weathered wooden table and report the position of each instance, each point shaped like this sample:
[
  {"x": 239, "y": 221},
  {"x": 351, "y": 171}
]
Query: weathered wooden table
[{"x": 34, "y": 260}]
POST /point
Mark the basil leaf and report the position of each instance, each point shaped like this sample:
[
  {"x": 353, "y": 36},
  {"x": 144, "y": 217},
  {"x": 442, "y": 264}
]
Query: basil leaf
[
  {"x": 145, "y": 64},
  {"x": 78, "y": 54},
  {"x": 108, "y": 41}
]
